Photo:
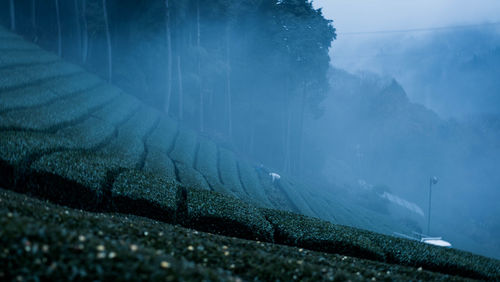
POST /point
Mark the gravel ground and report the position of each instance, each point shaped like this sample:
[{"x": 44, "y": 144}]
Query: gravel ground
[{"x": 43, "y": 241}]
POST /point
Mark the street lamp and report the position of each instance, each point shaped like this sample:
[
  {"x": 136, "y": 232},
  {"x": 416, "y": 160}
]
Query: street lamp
[{"x": 432, "y": 180}]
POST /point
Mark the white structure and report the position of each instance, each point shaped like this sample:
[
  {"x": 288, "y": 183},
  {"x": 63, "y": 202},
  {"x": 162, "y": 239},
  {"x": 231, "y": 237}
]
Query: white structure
[
  {"x": 274, "y": 176},
  {"x": 436, "y": 241}
]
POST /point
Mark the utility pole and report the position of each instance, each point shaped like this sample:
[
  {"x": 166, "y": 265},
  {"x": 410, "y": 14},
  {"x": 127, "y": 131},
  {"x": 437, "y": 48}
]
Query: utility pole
[{"x": 432, "y": 180}]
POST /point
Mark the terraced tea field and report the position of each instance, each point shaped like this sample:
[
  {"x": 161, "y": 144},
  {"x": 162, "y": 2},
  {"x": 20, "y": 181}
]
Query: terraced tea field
[{"x": 69, "y": 137}]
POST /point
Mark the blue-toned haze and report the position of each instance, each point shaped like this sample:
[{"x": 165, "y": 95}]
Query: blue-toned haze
[
  {"x": 445, "y": 55},
  {"x": 416, "y": 92}
]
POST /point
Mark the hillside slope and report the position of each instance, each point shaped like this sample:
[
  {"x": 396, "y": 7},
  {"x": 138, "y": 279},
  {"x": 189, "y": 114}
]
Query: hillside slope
[
  {"x": 54, "y": 114},
  {"x": 68, "y": 137},
  {"x": 377, "y": 137}
]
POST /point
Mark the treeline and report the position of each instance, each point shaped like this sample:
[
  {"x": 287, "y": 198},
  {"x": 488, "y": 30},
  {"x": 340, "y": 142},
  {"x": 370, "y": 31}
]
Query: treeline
[{"x": 245, "y": 72}]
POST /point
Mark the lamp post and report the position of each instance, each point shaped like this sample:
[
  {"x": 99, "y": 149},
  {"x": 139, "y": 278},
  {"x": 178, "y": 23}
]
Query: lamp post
[{"x": 432, "y": 180}]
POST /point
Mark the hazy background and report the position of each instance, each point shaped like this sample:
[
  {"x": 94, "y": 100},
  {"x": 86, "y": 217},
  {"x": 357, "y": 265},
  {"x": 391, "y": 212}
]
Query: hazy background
[
  {"x": 404, "y": 39},
  {"x": 415, "y": 93}
]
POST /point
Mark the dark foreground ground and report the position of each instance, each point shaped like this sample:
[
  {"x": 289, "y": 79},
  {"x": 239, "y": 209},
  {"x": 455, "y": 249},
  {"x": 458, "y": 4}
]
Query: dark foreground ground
[{"x": 43, "y": 241}]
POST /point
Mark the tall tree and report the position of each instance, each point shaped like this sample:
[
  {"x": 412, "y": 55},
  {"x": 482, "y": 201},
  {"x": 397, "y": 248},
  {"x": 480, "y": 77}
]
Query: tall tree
[
  {"x": 287, "y": 136},
  {"x": 12, "y": 15},
  {"x": 85, "y": 32},
  {"x": 33, "y": 15},
  {"x": 229, "y": 97},
  {"x": 59, "y": 35},
  {"x": 180, "y": 90},
  {"x": 307, "y": 36},
  {"x": 78, "y": 26},
  {"x": 168, "y": 35},
  {"x": 108, "y": 40},
  {"x": 198, "y": 67}
]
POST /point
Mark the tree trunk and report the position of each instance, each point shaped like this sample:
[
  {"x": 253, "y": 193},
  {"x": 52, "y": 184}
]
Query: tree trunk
[
  {"x": 33, "y": 15},
  {"x": 108, "y": 41},
  {"x": 59, "y": 35},
  {"x": 212, "y": 118},
  {"x": 169, "y": 57},
  {"x": 287, "y": 122},
  {"x": 289, "y": 142},
  {"x": 85, "y": 37},
  {"x": 253, "y": 125},
  {"x": 298, "y": 165},
  {"x": 78, "y": 27},
  {"x": 287, "y": 137},
  {"x": 181, "y": 94},
  {"x": 12, "y": 15},
  {"x": 228, "y": 85},
  {"x": 198, "y": 46},
  {"x": 251, "y": 142}
]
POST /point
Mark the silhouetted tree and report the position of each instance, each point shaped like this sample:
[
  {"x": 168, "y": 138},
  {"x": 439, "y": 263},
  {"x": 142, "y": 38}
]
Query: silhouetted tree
[
  {"x": 59, "y": 35},
  {"x": 168, "y": 39},
  {"x": 78, "y": 27},
  {"x": 33, "y": 15},
  {"x": 12, "y": 8},
  {"x": 180, "y": 90},
  {"x": 85, "y": 32},
  {"x": 108, "y": 40}
]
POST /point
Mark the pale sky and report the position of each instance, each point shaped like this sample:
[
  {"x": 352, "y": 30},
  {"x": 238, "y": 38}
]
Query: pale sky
[{"x": 370, "y": 15}]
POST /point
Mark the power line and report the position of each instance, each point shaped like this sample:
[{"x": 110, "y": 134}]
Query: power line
[{"x": 418, "y": 29}]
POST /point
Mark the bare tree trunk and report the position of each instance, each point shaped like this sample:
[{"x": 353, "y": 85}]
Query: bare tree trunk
[
  {"x": 33, "y": 14},
  {"x": 78, "y": 27},
  {"x": 169, "y": 57},
  {"x": 210, "y": 109},
  {"x": 228, "y": 85},
  {"x": 59, "y": 35},
  {"x": 301, "y": 132},
  {"x": 289, "y": 141},
  {"x": 34, "y": 30},
  {"x": 284, "y": 127},
  {"x": 251, "y": 143},
  {"x": 181, "y": 94},
  {"x": 287, "y": 137},
  {"x": 108, "y": 40},
  {"x": 253, "y": 125},
  {"x": 287, "y": 122},
  {"x": 12, "y": 15},
  {"x": 198, "y": 46},
  {"x": 85, "y": 37}
]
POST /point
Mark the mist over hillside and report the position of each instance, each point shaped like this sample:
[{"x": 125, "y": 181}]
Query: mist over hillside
[
  {"x": 419, "y": 99},
  {"x": 366, "y": 127},
  {"x": 238, "y": 71},
  {"x": 372, "y": 136},
  {"x": 451, "y": 71}
]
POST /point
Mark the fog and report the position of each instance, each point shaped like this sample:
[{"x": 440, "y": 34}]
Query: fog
[
  {"x": 430, "y": 47},
  {"x": 371, "y": 15},
  {"x": 365, "y": 108},
  {"x": 434, "y": 68}
]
